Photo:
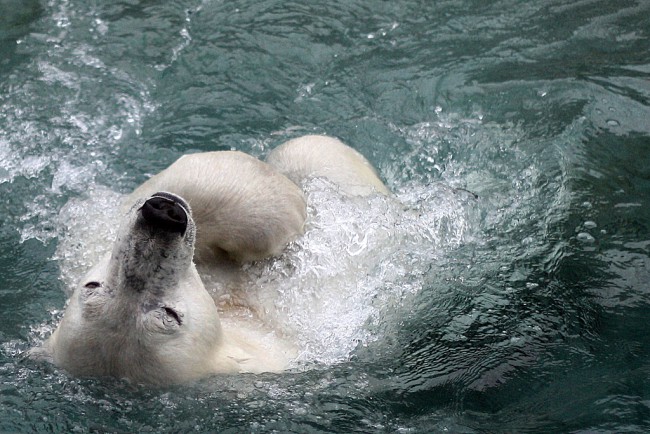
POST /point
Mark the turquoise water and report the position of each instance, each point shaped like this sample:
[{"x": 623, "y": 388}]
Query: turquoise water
[{"x": 522, "y": 310}]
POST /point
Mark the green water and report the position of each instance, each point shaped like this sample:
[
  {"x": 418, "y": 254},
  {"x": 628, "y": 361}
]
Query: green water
[{"x": 523, "y": 310}]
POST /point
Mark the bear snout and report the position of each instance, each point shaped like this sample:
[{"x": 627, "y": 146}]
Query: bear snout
[{"x": 165, "y": 213}]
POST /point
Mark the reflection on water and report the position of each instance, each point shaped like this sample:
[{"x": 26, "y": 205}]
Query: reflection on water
[{"x": 502, "y": 288}]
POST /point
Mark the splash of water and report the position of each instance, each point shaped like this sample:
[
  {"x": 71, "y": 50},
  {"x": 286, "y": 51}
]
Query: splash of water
[{"x": 328, "y": 287}]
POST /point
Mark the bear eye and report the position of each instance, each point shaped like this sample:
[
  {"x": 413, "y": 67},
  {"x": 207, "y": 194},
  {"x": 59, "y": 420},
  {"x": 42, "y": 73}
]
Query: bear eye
[
  {"x": 92, "y": 285},
  {"x": 173, "y": 315}
]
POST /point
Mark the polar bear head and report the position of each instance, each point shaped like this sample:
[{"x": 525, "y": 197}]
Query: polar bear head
[{"x": 142, "y": 313}]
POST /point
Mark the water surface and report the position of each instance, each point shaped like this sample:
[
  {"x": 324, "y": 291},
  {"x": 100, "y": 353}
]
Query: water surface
[{"x": 524, "y": 309}]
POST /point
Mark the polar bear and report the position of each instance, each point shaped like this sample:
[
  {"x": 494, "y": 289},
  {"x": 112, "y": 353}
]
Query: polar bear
[{"x": 143, "y": 313}]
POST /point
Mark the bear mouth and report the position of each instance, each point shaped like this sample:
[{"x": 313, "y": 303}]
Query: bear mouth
[{"x": 166, "y": 212}]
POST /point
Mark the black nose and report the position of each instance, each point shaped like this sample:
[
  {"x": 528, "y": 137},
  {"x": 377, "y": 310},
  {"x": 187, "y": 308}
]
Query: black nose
[{"x": 166, "y": 214}]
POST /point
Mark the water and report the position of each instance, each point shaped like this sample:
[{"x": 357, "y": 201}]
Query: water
[{"x": 521, "y": 310}]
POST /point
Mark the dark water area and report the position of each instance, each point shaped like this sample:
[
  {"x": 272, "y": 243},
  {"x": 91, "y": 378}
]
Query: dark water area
[{"x": 523, "y": 310}]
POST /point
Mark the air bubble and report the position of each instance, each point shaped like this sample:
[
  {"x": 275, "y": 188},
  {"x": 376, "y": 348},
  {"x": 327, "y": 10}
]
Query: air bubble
[
  {"x": 586, "y": 238},
  {"x": 590, "y": 224}
]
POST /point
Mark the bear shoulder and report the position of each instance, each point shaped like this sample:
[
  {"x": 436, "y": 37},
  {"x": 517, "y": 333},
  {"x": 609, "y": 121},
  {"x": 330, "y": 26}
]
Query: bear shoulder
[
  {"x": 327, "y": 157},
  {"x": 244, "y": 208}
]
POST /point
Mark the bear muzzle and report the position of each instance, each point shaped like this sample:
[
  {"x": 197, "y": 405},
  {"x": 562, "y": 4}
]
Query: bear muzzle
[{"x": 166, "y": 212}]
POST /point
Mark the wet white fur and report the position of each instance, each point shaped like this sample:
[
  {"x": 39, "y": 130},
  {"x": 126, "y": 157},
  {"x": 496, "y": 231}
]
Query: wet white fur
[{"x": 243, "y": 207}]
